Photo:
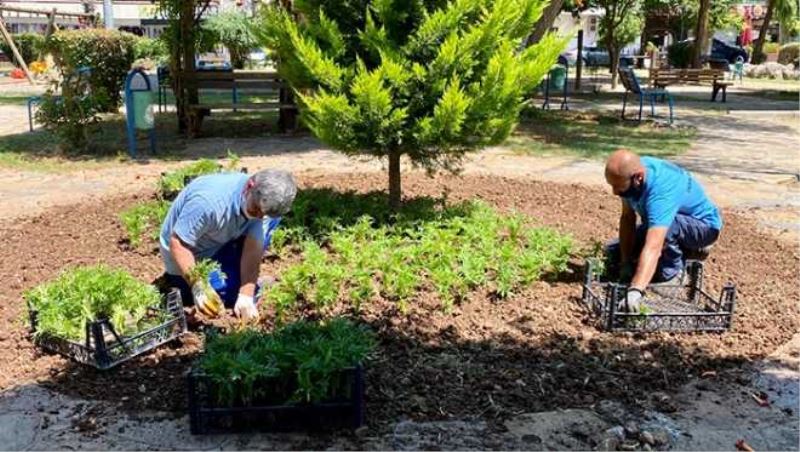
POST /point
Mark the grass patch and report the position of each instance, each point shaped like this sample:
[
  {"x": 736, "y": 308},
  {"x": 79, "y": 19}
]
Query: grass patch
[
  {"x": 354, "y": 250},
  {"x": 595, "y": 135},
  {"x": 14, "y": 99}
]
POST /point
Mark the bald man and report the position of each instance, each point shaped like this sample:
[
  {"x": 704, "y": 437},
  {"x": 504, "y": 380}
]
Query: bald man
[{"x": 677, "y": 217}]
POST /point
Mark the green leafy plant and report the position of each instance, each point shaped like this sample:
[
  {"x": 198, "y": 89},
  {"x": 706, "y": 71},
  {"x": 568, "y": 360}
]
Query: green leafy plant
[
  {"x": 232, "y": 29},
  {"x": 428, "y": 80},
  {"x": 107, "y": 53},
  {"x": 173, "y": 182},
  {"x": 144, "y": 219},
  {"x": 86, "y": 294},
  {"x": 150, "y": 49},
  {"x": 30, "y": 46},
  {"x": 790, "y": 54},
  {"x": 73, "y": 113},
  {"x": 351, "y": 257},
  {"x": 300, "y": 362}
]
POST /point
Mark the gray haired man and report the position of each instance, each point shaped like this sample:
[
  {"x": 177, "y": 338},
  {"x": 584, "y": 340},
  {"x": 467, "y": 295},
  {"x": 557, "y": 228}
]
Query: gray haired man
[{"x": 228, "y": 218}]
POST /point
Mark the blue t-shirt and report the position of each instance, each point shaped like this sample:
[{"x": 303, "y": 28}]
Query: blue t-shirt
[
  {"x": 206, "y": 215},
  {"x": 669, "y": 190}
]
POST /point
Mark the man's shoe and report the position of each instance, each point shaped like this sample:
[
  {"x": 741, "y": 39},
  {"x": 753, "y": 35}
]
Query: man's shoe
[{"x": 700, "y": 254}]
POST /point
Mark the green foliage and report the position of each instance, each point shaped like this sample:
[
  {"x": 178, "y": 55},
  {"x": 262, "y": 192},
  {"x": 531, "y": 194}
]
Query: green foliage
[
  {"x": 679, "y": 54},
  {"x": 203, "y": 268},
  {"x": 30, "y": 46},
  {"x": 304, "y": 358},
  {"x": 151, "y": 49},
  {"x": 351, "y": 256},
  {"x": 790, "y": 54},
  {"x": 73, "y": 113},
  {"x": 86, "y": 294},
  {"x": 232, "y": 29},
  {"x": 173, "y": 182},
  {"x": 771, "y": 47},
  {"x": 426, "y": 79},
  {"x": 108, "y": 53},
  {"x": 144, "y": 219}
]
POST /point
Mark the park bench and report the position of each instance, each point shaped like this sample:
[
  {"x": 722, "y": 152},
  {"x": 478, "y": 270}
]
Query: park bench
[
  {"x": 235, "y": 81},
  {"x": 631, "y": 84},
  {"x": 661, "y": 78}
]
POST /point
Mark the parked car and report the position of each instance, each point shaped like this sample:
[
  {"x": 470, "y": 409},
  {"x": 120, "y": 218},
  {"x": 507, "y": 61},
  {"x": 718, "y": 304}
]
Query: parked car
[
  {"x": 598, "y": 57},
  {"x": 721, "y": 50}
]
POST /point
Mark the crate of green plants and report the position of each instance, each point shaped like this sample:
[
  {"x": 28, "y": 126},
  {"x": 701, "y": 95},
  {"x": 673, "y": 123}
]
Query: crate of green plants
[
  {"x": 101, "y": 317},
  {"x": 681, "y": 305},
  {"x": 302, "y": 376}
]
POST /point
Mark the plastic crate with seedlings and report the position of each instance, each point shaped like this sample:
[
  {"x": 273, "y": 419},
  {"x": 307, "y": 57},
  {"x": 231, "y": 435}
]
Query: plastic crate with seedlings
[
  {"x": 679, "y": 306},
  {"x": 304, "y": 376},
  {"x": 102, "y": 317}
]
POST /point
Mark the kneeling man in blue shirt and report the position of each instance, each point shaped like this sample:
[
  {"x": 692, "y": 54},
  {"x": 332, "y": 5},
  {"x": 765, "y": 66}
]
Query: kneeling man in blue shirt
[
  {"x": 225, "y": 217},
  {"x": 677, "y": 217}
]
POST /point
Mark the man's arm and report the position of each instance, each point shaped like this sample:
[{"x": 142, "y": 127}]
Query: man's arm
[
  {"x": 648, "y": 260},
  {"x": 182, "y": 255},
  {"x": 627, "y": 233},
  {"x": 251, "y": 259}
]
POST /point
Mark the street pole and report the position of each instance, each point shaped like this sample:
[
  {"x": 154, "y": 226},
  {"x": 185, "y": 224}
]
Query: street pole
[{"x": 108, "y": 14}]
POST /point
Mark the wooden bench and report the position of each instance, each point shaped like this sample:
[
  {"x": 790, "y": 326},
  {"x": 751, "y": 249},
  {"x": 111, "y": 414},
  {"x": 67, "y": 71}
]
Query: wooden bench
[
  {"x": 661, "y": 78},
  {"x": 235, "y": 81}
]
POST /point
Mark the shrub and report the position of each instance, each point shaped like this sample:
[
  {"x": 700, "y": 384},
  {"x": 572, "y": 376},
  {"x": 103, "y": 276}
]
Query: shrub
[
  {"x": 30, "y": 46},
  {"x": 150, "y": 49},
  {"x": 771, "y": 47},
  {"x": 232, "y": 30},
  {"x": 679, "y": 54},
  {"x": 108, "y": 53},
  {"x": 144, "y": 220},
  {"x": 790, "y": 54},
  {"x": 83, "y": 294},
  {"x": 72, "y": 113}
]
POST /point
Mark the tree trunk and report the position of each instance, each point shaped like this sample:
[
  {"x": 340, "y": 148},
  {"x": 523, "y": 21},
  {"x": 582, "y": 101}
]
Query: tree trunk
[
  {"x": 700, "y": 34},
  {"x": 613, "y": 54},
  {"x": 758, "y": 56},
  {"x": 545, "y": 23},
  {"x": 188, "y": 81},
  {"x": 394, "y": 180},
  {"x": 579, "y": 61}
]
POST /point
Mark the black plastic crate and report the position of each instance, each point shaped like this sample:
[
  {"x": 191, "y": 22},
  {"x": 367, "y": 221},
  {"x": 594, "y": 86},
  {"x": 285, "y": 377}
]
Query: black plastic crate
[
  {"x": 681, "y": 306},
  {"x": 271, "y": 411},
  {"x": 103, "y": 348}
]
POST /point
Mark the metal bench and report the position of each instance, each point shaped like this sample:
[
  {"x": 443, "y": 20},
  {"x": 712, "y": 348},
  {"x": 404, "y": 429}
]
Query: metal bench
[{"x": 631, "y": 84}]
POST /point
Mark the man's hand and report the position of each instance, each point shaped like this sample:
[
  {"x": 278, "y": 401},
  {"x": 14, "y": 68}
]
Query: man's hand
[
  {"x": 209, "y": 306},
  {"x": 245, "y": 307},
  {"x": 632, "y": 302}
]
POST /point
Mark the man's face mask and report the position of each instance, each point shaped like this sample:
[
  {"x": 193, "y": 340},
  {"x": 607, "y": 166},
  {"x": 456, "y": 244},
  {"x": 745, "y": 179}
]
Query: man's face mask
[{"x": 633, "y": 192}]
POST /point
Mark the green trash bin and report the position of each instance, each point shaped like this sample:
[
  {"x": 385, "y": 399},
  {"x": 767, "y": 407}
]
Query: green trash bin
[
  {"x": 143, "y": 110},
  {"x": 558, "y": 76}
]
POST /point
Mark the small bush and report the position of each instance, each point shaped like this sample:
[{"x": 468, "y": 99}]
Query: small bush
[
  {"x": 30, "y": 46},
  {"x": 108, "y": 53},
  {"x": 172, "y": 182},
  {"x": 790, "y": 54},
  {"x": 150, "y": 49},
  {"x": 771, "y": 47},
  {"x": 144, "y": 220},
  {"x": 679, "y": 54},
  {"x": 71, "y": 114}
]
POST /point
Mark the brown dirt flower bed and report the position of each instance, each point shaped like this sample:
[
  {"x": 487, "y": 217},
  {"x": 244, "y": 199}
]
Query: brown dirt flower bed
[{"x": 537, "y": 350}]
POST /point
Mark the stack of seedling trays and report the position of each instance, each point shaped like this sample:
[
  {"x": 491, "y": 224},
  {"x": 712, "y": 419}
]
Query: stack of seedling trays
[
  {"x": 283, "y": 381},
  {"x": 102, "y": 345},
  {"x": 680, "y": 306}
]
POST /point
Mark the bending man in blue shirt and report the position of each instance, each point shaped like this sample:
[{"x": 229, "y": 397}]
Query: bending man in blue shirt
[
  {"x": 677, "y": 217},
  {"x": 223, "y": 217}
]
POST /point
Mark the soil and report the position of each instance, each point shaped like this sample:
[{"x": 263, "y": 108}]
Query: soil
[{"x": 537, "y": 350}]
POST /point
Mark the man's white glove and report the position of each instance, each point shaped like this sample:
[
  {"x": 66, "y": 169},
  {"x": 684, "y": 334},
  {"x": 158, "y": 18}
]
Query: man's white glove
[
  {"x": 632, "y": 302},
  {"x": 208, "y": 306},
  {"x": 245, "y": 307}
]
